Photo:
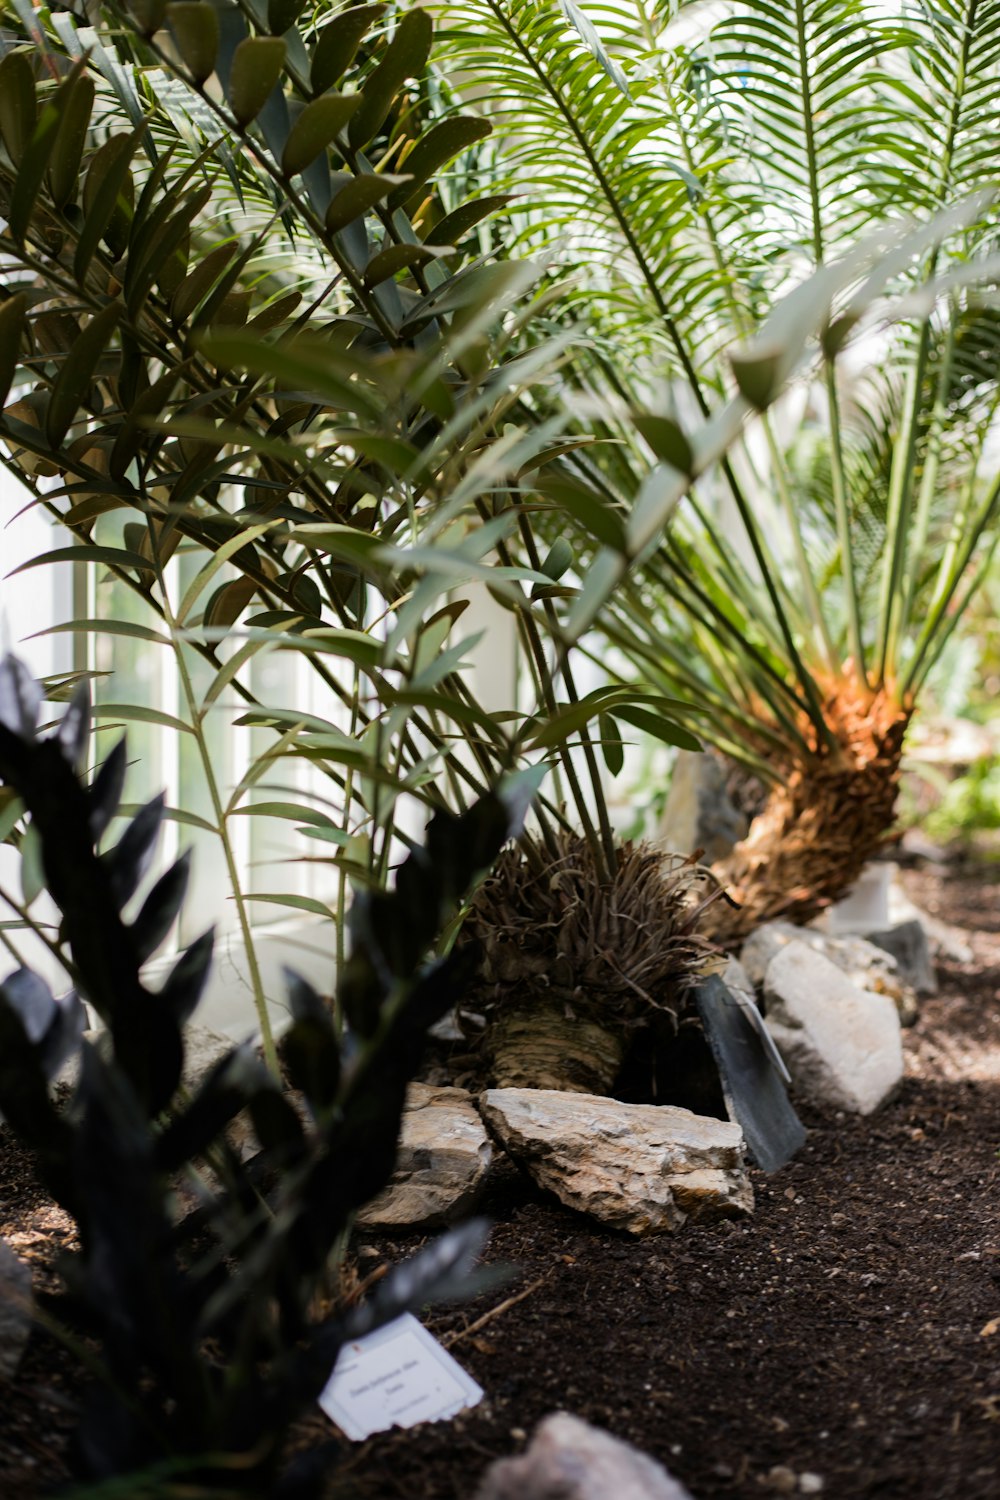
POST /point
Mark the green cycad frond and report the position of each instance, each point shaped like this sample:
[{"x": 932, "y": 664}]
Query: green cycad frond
[{"x": 608, "y": 173}]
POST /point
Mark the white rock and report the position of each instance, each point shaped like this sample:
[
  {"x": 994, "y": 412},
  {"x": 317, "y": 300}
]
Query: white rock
[
  {"x": 443, "y": 1158},
  {"x": 640, "y": 1167},
  {"x": 570, "y": 1460},
  {"x": 842, "y": 1044},
  {"x": 866, "y": 964},
  {"x": 16, "y": 1310}
]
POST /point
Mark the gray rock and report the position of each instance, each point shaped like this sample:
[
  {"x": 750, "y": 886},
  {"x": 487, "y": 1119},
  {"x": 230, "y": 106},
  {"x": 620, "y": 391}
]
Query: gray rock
[
  {"x": 644, "y": 1168},
  {"x": 443, "y": 1158},
  {"x": 16, "y": 1310},
  {"x": 866, "y": 963},
  {"x": 570, "y": 1460},
  {"x": 202, "y": 1050},
  {"x": 907, "y": 942},
  {"x": 842, "y": 1044},
  {"x": 698, "y": 813}
]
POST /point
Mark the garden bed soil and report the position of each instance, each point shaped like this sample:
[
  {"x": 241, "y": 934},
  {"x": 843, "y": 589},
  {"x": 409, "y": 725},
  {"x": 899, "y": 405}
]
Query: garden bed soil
[{"x": 844, "y": 1341}]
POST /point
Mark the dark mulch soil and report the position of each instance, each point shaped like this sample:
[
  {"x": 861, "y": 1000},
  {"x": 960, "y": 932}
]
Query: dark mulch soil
[{"x": 845, "y": 1333}]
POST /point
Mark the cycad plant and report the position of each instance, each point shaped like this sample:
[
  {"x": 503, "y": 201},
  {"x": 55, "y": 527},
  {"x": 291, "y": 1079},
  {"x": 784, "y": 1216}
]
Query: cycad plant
[
  {"x": 802, "y": 598},
  {"x": 250, "y": 323}
]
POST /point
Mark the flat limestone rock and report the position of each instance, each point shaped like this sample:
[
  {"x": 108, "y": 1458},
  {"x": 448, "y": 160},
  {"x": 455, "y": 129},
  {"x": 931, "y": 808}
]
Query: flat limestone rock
[
  {"x": 569, "y": 1460},
  {"x": 842, "y": 1044},
  {"x": 645, "y": 1168},
  {"x": 443, "y": 1158},
  {"x": 867, "y": 964},
  {"x": 16, "y": 1305}
]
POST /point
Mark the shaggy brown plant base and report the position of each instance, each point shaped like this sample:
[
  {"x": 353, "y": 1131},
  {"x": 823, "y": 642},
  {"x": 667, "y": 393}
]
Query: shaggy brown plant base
[{"x": 843, "y": 1332}]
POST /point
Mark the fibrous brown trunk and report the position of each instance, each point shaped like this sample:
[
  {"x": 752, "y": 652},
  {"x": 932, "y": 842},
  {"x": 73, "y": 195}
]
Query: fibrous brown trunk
[
  {"x": 543, "y": 1045},
  {"x": 820, "y": 826}
]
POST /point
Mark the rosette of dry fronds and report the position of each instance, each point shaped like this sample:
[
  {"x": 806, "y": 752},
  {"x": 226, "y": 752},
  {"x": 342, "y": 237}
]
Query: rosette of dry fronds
[{"x": 571, "y": 963}]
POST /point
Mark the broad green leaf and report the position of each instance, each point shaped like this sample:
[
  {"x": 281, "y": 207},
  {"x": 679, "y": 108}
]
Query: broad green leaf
[
  {"x": 195, "y": 25},
  {"x": 338, "y": 44},
  {"x": 442, "y": 142},
  {"x": 17, "y": 104},
  {"x": 219, "y": 558},
  {"x": 306, "y": 364},
  {"x": 133, "y": 433},
  {"x": 611, "y": 743},
  {"x": 119, "y": 557},
  {"x": 107, "y": 200},
  {"x": 292, "y": 812},
  {"x": 12, "y": 322},
  {"x": 149, "y": 15},
  {"x": 173, "y": 815},
  {"x": 659, "y": 727},
  {"x": 35, "y": 157},
  {"x": 139, "y": 713},
  {"x": 356, "y": 196},
  {"x": 405, "y": 57},
  {"x": 666, "y": 440},
  {"x": 590, "y": 509},
  {"x": 558, "y": 558},
  {"x": 11, "y": 811},
  {"x": 315, "y": 128},
  {"x": 32, "y": 869},
  {"x": 297, "y": 903},
  {"x": 456, "y": 225},
  {"x": 283, "y": 14},
  {"x": 396, "y": 258},
  {"x": 257, "y": 67},
  {"x": 198, "y": 283},
  {"x": 77, "y": 371},
  {"x": 229, "y": 601},
  {"x": 326, "y": 835},
  {"x": 71, "y": 137},
  {"x": 159, "y": 252},
  {"x": 107, "y": 627}
]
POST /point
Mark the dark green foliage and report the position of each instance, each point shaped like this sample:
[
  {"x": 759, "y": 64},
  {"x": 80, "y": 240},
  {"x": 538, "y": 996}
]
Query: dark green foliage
[{"x": 207, "y": 1345}]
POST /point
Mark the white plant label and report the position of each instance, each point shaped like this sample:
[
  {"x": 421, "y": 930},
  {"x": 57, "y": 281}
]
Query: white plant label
[{"x": 395, "y": 1377}]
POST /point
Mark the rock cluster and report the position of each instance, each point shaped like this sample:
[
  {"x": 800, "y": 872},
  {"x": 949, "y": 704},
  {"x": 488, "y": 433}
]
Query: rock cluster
[{"x": 644, "y": 1168}]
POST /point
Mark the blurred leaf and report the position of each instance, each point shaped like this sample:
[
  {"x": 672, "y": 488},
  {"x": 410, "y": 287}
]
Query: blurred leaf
[
  {"x": 32, "y": 873},
  {"x": 195, "y": 26}
]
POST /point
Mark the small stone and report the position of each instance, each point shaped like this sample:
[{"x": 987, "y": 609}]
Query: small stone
[
  {"x": 781, "y": 1480},
  {"x": 568, "y": 1459},
  {"x": 16, "y": 1310},
  {"x": 811, "y": 1484},
  {"x": 443, "y": 1157},
  {"x": 907, "y": 942},
  {"x": 644, "y": 1168},
  {"x": 842, "y": 1044}
]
